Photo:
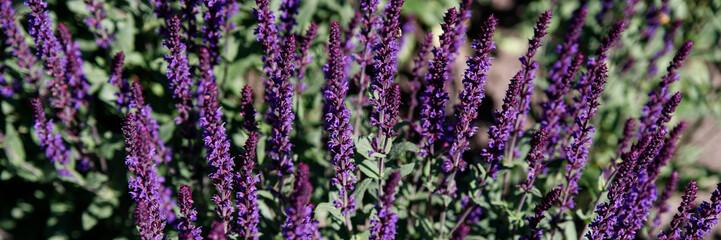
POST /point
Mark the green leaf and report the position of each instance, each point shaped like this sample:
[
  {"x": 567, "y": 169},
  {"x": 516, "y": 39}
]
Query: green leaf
[
  {"x": 370, "y": 169},
  {"x": 536, "y": 192},
  {"x": 360, "y": 190},
  {"x": 402, "y": 147},
  {"x": 325, "y": 207},
  {"x": 88, "y": 221},
  {"x": 363, "y": 146}
]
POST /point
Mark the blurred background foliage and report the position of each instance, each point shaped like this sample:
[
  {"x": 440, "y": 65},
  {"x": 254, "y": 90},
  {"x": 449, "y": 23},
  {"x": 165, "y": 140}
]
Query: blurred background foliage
[{"x": 36, "y": 204}]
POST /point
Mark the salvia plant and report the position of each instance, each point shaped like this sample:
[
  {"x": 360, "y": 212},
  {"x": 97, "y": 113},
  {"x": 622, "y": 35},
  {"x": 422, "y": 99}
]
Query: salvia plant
[{"x": 289, "y": 119}]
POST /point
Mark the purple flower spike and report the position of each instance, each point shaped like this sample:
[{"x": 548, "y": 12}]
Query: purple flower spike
[
  {"x": 385, "y": 114},
  {"x": 137, "y": 101},
  {"x": 434, "y": 98},
  {"x": 216, "y": 19},
  {"x": 472, "y": 95},
  {"x": 577, "y": 152},
  {"x": 219, "y": 159},
  {"x": 48, "y": 48},
  {"x": 51, "y": 142},
  {"x": 340, "y": 131},
  {"x": 279, "y": 95},
  {"x": 246, "y": 193},
  {"x": 705, "y": 218},
  {"x": 659, "y": 96},
  {"x": 502, "y": 126},
  {"x": 178, "y": 71},
  {"x": 668, "y": 46},
  {"x": 288, "y": 10},
  {"x": 16, "y": 39},
  {"x": 247, "y": 110},
  {"x": 299, "y": 225},
  {"x": 683, "y": 215},
  {"x": 116, "y": 79},
  {"x": 527, "y": 72},
  {"x": 535, "y": 159},
  {"x": 419, "y": 62},
  {"x": 547, "y": 202},
  {"x": 662, "y": 203},
  {"x": 75, "y": 77},
  {"x": 383, "y": 226},
  {"x": 94, "y": 21},
  {"x": 304, "y": 58},
  {"x": 266, "y": 33},
  {"x": 367, "y": 39},
  {"x": 629, "y": 131},
  {"x": 144, "y": 184},
  {"x": 187, "y": 231}
]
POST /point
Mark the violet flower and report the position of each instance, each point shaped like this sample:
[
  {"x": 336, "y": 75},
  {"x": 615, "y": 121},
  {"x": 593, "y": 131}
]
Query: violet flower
[
  {"x": 668, "y": 46},
  {"x": 349, "y": 33},
  {"x": 144, "y": 183},
  {"x": 415, "y": 84},
  {"x": 653, "y": 19},
  {"x": 629, "y": 131},
  {"x": 279, "y": 95},
  {"x": 75, "y": 77},
  {"x": 16, "y": 39},
  {"x": 304, "y": 58},
  {"x": 178, "y": 71},
  {"x": 535, "y": 158},
  {"x": 560, "y": 78},
  {"x": 701, "y": 222},
  {"x": 340, "y": 131},
  {"x": 383, "y": 226},
  {"x": 299, "y": 225},
  {"x": 435, "y": 96},
  {"x": 116, "y": 79},
  {"x": 683, "y": 215},
  {"x": 216, "y": 17},
  {"x": 50, "y": 141},
  {"x": 137, "y": 101},
  {"x": 386, "y": 102},
  {"x": 267, "y": 35},
  {"x": 48, "y": 48},
  {"x": 662, "y": 203},
  {"x": 547, "y": 202},
  {"x": 217, "y": 153},
  {"x": 367, "y": 39},
  {"x": 577, "y": 152},
  {"x": 94, "y": 22},
  {"x": 659, "y": 96},
  {"x": 246, "y": 193},
  {"x": 186, "y": 229},
  {"x": 189, "y": 10},
  {"x": 7, "y": 89},
  {"x": 502, "y": 126},
  {"x": 288, "y": 10},
  {"x": 247, "y": 111}
]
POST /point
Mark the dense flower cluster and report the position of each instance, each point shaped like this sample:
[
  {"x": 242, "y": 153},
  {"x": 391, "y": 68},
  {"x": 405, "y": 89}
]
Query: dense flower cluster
[
  {"x": 50, "y": 141},
  {"x": 179, "y": 71},
  {"x": 246, "y": 192},
  {"x": 16, "y": 39},
  {"x": 383, "y": 226},
  {"x": 94, "y": 21},
  {"x": 546, "y": 203},
  {"x": 188, "y": 231},
  {"x": 299, "y": 224}
]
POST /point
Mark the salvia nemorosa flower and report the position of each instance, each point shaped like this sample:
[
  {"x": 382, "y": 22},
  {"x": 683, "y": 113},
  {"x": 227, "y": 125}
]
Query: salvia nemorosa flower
[
  {"x": 669, "y": 147},
  {"x": 659, "y": 96},
  {"x": 7, "y": 88},
  {"x": 629, "y": 131},
  {"x": 94, "y": 21},
  {"x": 178, "y": 71},
  {"x": 137, "y": 101},
  {"x": 217, "y": 231},
  {"x": 217, "y": 146},
  {"x": 75, "y": 77},
  {"x": 246, "y": 193},
  {"x": 304, "y": 58},
  {"x": 668, "y": 46},
  {"x": 116, "y": 79},
  {"x": 51, "y": 142},
  {"x": 435, "y": 96},
  {"x": 527, "y": 72},
  {"x": 683, "y": 215},
  {"x": 299, "y": 225},
  {"x": 186, "y": 229},
  {"x": 385, "y": 67},
  {"x": 16, "y": 39},
  {"x": 349, "y": 33},
  {"x": 144, "y": 182},
  {"x": 547, "y": 202},
  {"x": 577, "y": 152},
  {"x": 502, "y": 126},
  {"x": 472, "y": 95},
  {"x": 653, "y": 19},
  {"x": 560, "y": 77},
  {"x": 662, "y": 203},
  {"x": 189, "y": 10},
  {"x": 164, "y": 11},
  {"x": 340, "y": 131},
  {"x": 367, "y": 39},
  {"x": 535, "y": 158},
  {"x": 383, "y": 226},
  {"x": 419, "y": 63},
  {"x": 288, "y": 10},
  {"x": 267, "y": 34},
  {"x": 216, "y": 17},
  {"x": 705, "y": 218},
  {"x": 48, "y": 49},
  {"x": 247, "y": 111},
  {"x": 279, "y": 95}
]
